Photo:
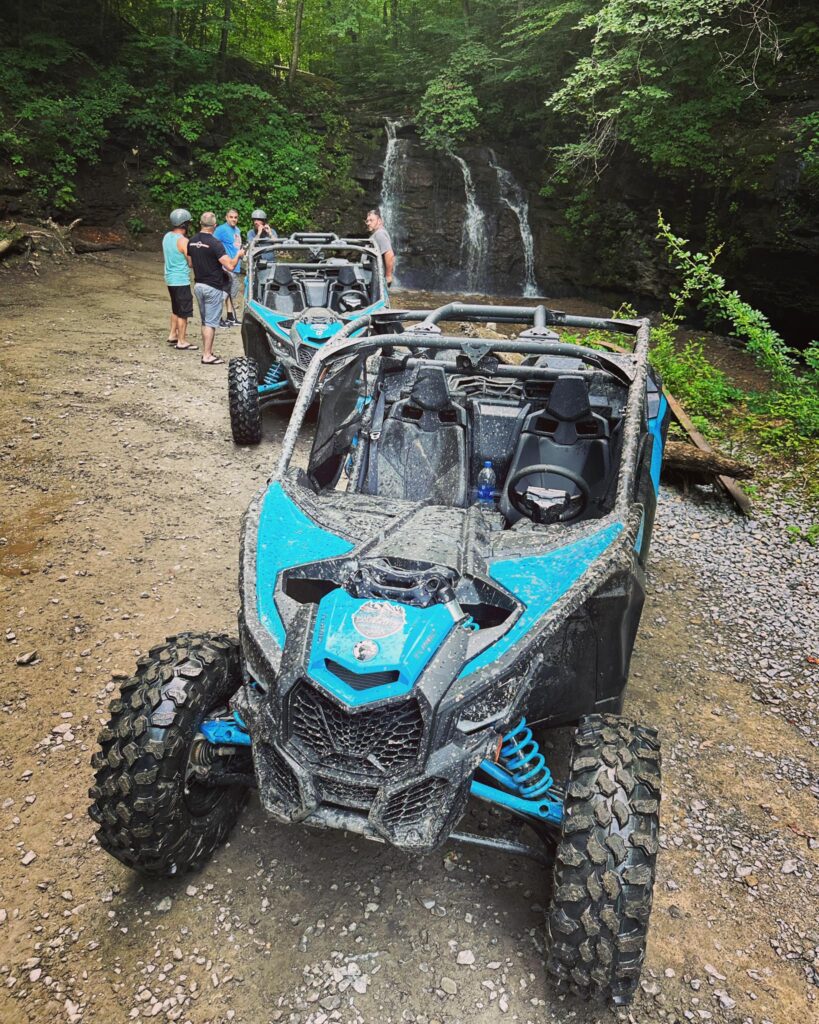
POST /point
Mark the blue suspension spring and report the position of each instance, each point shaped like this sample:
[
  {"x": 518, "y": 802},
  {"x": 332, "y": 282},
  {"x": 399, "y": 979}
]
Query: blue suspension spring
[
  {"x": 521, "y": 757},
  {"x": 274, "y": 374}
]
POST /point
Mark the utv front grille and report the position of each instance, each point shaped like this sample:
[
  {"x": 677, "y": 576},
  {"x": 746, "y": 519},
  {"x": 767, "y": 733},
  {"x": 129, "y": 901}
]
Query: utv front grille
[
  {"x": 279, "y": 776},
  {"x": 305, "y": 355},
  {"x": 296, "y": 375},
  {"x": 361, "y": 680},
  {"x": 376, "y": 743},
  {"x": 346, "y": 794},
  {"x": 416, "y": 809}
]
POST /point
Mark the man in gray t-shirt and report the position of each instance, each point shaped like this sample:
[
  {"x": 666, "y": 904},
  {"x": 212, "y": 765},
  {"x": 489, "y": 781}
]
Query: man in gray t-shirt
[{"x": 379, "y": 235}]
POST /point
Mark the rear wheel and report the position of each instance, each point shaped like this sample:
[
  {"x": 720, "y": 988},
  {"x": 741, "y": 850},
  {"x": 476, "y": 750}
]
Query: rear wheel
[
  {"x": 605, "y": 860},
  {"x": 243, "y": 398},
  {"x": 153, "y": 813}
]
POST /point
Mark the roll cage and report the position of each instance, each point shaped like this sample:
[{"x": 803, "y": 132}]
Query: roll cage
[
  {"x": 319, "y": 248},
  {"x": 415, "y": 335}
]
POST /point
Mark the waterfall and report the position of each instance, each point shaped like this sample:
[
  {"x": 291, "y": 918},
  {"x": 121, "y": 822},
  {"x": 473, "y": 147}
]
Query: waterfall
[
  {"x": 474, "y": 241},
  {"x": 392, "y": 181},
  {"x": 513, "y": 196}
]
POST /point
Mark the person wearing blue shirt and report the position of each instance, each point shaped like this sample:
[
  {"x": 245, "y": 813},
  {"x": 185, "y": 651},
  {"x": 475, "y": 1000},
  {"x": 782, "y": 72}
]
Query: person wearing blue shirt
[{"x": 231, "y": 238}]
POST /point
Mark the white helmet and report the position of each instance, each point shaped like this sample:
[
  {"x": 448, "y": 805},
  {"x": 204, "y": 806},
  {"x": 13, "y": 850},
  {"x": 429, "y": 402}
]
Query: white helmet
[
  {"x": 258, "y": 215},
  {"x": 179, "y": 217}
]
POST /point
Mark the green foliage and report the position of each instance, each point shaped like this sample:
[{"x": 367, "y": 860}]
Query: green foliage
[
  {"x": 50, "y": 133},
  {"x": 700, "y": 283},
  {"x": 807, "y": 145},
  {"x": 782, "y": 421},
  {"x": 809, "y": 534},
  {"x": 703, "y": 388},
  {"x": 449, "y": 109},
  {"x": 448, "y": 112},
  {"x": 654, "y": 79},
  {"x": 201, "y": 140}
]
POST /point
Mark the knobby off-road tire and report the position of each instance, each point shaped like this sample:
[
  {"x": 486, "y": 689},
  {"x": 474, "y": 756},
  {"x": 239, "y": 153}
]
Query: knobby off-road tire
[
  {"x": 150, "y": 816},
  {"x": 605, "y": 860},
  {"x": 243, "y": 398}
]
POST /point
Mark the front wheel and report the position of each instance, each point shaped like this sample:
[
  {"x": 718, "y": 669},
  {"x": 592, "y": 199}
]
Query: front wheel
[
  {"x": 243, "y": 399},
  {"x": 605, "y": 860},
  {"x": 153, "y": 813}
]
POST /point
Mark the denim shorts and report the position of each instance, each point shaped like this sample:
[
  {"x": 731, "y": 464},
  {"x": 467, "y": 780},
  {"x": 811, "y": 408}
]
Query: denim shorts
[{"x": 210, "y": 304}]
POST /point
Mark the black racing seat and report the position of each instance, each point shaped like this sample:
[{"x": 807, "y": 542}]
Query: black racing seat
[
  {"x": 568, "y": 415},
  {"x": 569, "y": 434},
  {"x": 283, "y": 293},
  {"x": 421, "y": 452},
  {"x": 347, "y": 282}
]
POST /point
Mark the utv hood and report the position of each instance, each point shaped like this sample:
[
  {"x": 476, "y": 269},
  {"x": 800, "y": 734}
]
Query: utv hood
[{"x": 364, "y": 650}]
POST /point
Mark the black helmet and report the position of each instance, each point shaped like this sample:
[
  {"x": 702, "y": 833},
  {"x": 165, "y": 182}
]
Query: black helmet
[
  {"x": 258, "y": 215},
  {"x": 179, "y": 217}
]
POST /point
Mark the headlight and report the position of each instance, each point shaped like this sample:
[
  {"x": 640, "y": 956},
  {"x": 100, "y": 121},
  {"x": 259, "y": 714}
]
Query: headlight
[{"x": 488, "y": 707}]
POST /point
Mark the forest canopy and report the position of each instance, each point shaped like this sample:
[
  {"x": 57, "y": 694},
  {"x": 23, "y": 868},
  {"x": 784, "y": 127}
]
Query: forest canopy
[{"x": 214, "y": 91}]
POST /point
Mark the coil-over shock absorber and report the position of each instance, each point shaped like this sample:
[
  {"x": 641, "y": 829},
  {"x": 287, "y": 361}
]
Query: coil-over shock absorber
[
  {"x": 274, "y": 374},
  {"x": 520, "y": 755},
  {"x": 528, "y": 785}
]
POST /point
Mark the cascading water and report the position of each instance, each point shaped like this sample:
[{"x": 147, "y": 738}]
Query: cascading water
[
  {"x": 392, "y": 181},
  {"x": 513, "y": 196},
  {"x": 474, "y": 241}
]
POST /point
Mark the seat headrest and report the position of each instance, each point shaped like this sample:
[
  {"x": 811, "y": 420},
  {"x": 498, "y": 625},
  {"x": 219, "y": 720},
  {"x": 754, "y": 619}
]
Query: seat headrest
[
  {"x": 346, "y": 275},
  {"x": 569, "y": 399},
  {"x": 282, "y": 274},
  {"x": 430, "y": 389}
]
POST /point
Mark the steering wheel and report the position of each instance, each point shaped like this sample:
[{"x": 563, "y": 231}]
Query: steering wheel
[
  {"x": 351, "y": 300},
  {"x": 516, "y": 498}
]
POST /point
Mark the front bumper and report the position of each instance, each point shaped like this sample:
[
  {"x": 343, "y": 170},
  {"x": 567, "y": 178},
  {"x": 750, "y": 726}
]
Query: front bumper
[{"x": 363, "y": 769}]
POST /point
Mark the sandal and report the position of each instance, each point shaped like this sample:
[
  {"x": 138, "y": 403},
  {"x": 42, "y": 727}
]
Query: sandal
[
  {"x": 171, "y": 341},
  {"x": 216, "y": 361},
  {"x": 186, "y": 348}
]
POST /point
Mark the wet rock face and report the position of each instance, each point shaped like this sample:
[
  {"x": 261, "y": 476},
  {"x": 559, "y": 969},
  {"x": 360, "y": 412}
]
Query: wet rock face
[
  {"x": 429, "y": 236},
  {"x": 772, "y": 236}
]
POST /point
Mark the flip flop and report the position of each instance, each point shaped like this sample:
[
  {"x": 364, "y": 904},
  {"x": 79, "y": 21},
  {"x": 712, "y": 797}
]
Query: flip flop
[
  {"x": 171, "y": 341},
  {"x": 218, "y": 361},
  {"x": 186, "y": 348}
]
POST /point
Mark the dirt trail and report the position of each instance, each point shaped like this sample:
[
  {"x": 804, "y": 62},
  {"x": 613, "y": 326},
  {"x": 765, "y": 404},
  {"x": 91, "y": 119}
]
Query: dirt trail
[{"x": 121, "y": 501}]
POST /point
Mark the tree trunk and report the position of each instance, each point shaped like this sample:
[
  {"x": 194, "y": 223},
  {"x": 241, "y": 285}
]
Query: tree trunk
[
  {"x": 294, "y": 58},
  {"x": 223, "y": 38},
  {"x": 394, "y": 23}
]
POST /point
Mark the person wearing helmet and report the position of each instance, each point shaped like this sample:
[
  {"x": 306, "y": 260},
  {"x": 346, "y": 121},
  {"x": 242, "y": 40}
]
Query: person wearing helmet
[
  {"x": 178, "y": 278},
  {"x": 260, "y": 229}
]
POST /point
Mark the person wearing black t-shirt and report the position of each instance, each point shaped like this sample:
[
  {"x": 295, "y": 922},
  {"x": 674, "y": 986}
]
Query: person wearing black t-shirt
[{"x": 209, "y": 260}]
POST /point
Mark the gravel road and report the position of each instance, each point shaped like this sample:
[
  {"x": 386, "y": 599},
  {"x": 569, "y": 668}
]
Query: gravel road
[{"x": 122, "y": 495}]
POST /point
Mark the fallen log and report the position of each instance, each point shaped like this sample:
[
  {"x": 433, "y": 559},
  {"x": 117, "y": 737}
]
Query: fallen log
[{"x": 686, "y": 458}]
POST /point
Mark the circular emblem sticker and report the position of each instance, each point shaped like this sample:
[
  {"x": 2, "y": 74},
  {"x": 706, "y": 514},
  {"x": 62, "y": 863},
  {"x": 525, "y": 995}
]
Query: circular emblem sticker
[
  {"x": 377, "y": 619},
  {"x": 365, "y": 650}
]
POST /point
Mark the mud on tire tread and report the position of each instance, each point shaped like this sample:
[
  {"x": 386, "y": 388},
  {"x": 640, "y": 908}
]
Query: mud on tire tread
[
  {"x": 243, "y": 399},
  {"x": 605, "y": 861},
  {"x": 139, "y": 793}
]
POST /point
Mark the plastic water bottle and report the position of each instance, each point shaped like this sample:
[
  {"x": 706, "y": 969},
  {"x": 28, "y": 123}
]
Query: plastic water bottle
[{"x": 486, "y": 486}]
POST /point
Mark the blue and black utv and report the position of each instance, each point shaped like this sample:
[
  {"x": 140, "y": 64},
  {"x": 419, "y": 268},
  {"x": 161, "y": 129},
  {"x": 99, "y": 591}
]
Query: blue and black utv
[
  {"x": 300, "y": 291},
  {"x": 403, "y": 645}
]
